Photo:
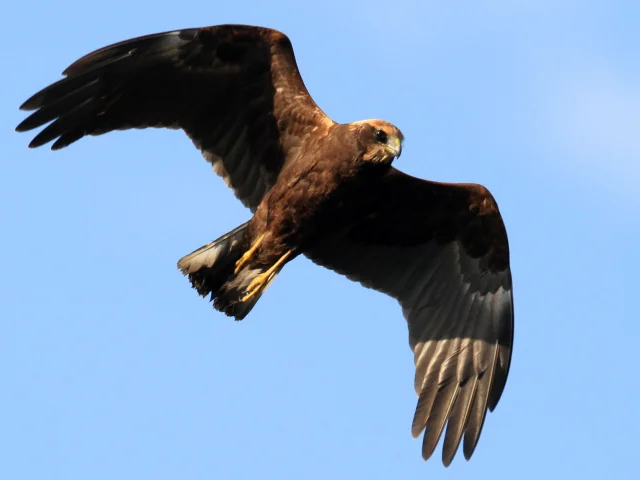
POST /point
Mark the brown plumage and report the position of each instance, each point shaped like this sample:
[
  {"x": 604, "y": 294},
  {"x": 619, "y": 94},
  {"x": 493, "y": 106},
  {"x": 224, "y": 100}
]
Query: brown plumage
[{"x": 317, "y": 188}]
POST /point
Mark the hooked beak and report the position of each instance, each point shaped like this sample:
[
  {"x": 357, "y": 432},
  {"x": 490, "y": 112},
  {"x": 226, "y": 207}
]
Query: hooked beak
[{"x": 394, "y": 146}]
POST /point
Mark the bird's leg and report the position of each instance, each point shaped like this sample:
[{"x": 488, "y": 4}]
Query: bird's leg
[
  {"x": 262, "y": 280},
  {"x": 246, "y": 257}
]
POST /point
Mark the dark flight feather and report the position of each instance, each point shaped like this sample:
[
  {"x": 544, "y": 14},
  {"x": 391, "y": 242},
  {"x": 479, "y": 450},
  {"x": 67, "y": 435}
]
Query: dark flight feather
[
  {"x": 235, "y": 90},
  {"x": 455, "y": 290}
]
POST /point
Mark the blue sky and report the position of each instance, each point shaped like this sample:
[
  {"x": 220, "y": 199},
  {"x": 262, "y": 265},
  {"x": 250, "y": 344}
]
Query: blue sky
[{"x": 113, "y": 367}]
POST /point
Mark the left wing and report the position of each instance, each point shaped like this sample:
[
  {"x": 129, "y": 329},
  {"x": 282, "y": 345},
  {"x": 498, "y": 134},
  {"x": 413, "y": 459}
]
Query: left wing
[{"x": 441, "y": 250}]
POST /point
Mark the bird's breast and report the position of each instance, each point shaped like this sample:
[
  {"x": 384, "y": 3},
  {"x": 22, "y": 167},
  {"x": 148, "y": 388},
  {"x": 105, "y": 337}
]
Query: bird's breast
[{"x": 317, "y": 202}]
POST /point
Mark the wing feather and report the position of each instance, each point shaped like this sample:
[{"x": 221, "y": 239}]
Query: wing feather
[
  {"x": 235, "y": 90},
  {"x": 441, "y": 250}
]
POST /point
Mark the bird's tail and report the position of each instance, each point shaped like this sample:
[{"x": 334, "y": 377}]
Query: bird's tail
[{"x": 211, "y": 271}]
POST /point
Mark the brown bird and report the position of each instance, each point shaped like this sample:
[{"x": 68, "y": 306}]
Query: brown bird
[{"x": 318, "y": 188}]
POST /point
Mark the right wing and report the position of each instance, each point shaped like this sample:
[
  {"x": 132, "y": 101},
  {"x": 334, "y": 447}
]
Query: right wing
[{"x": 235, "y": 90}]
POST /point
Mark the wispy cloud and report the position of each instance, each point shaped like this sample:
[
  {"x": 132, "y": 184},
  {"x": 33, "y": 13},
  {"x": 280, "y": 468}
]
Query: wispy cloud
[
  {"x": 605, "y": 111},
  {"x": 593, "y": 116}
]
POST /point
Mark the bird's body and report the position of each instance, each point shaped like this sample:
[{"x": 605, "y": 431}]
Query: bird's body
[
  {"x": 299, "y": 210},
  {"x": 306, "y": 207},
  {"x": 317, "y": 188}
]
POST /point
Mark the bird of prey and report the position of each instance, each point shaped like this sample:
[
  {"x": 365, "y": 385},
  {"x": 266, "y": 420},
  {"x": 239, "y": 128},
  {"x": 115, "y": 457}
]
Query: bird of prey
[{"x": 316, "y": 188}]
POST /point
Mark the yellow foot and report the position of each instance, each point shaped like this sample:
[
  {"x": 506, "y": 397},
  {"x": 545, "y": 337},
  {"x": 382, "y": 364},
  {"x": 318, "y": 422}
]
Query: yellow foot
[
  {"x": 261, "y": 281},
  {"x": 248, "y": 254}
]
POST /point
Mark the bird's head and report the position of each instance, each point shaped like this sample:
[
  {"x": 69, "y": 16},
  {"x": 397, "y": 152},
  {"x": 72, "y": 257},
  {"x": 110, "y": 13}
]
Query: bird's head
[{"x": 381, "y": 141}]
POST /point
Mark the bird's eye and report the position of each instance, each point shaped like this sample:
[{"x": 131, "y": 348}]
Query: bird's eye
[{"x": 381, "y": 136}]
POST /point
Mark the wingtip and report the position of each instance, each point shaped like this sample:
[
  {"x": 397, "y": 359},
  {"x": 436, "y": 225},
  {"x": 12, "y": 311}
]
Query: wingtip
[
  {"x": 32, "y": 103},
  {"x": 447, "y": 458},
  {"x": 35, "y": 143},
  {"x": 426, "y": 453},
  {"x": 468, "y": 453},
  {"x": 417, "y": 427},
  {"x": 470, "y": 443},
  {"x": 23, "y": 126}
]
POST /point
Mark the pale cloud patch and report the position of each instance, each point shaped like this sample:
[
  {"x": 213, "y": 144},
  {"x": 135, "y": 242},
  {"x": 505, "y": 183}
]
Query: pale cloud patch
[{"x": 593, "y": 117}]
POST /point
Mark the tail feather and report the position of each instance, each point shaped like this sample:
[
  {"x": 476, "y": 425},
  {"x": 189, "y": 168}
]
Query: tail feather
[
  {"x": 230, "y": 298},
  {"x": 210, "y": 266},
  {"x": 211, "y": 272}
]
